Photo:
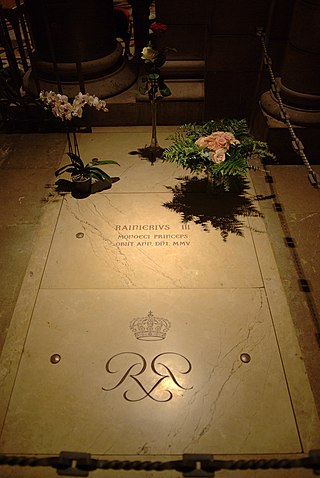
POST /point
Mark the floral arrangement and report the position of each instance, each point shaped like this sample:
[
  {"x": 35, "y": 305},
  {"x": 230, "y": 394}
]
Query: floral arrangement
[
  {"x": 219, "y": 148},
  {"x": 154, "y": 58}
]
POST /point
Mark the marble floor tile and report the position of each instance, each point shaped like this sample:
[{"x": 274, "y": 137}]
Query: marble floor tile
[
  {"x": 15, "y": 251},
  {"x": 305, "y": 229},
  {"x": 22, "y": 150},
  {"x": 187, "y": 388},
  {"x": 22, "y": 194},
  {"x": 307, "y": 197}
]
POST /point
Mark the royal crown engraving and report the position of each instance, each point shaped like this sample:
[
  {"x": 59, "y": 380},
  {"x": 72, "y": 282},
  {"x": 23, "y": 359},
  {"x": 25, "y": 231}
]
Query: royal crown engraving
[{"x": 150, "y": 327}]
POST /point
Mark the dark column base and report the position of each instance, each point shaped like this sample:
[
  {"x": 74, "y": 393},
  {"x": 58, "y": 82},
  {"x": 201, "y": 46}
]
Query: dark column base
[
  {"x": 303, "y": 109},
  {"x": 276, "y": 134},
  {"x": 105, "y": 86}
]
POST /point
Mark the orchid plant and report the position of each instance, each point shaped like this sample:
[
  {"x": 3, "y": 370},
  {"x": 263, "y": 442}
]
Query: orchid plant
[{"x": 62, "y": 108}]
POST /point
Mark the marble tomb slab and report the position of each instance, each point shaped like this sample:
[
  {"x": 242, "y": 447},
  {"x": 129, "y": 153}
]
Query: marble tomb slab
[
  {"x": 135, "y": 241},
  {"x": 227, "y": 378},
  {"x": 193, "y": 391}
]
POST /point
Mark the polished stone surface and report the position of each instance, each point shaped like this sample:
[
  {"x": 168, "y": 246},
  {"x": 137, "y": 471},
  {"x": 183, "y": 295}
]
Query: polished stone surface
[
  {"x": 303, "y": 221},
  {"x": 221, "y": 403},
  {"x": 228, "y": 376},
  {"x": 27, "y": 164},
  {"x": 133, "y": 241}
]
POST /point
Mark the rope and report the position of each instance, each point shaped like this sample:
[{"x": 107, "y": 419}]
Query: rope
[
  {"x": 80, "y": 464},
  {"x": 296, "y": 143}
]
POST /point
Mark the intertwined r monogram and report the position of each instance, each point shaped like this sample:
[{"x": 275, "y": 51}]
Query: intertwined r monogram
[{"x": 159, "y": 368}]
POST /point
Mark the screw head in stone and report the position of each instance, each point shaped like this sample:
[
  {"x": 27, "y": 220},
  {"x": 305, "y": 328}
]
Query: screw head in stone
[
  {"x": 55, "y": 358},
  {"x": 245, "y": 358}
]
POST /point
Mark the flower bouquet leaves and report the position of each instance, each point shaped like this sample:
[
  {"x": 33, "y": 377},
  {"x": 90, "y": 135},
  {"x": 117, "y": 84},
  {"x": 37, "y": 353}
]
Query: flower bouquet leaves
[{"x": 219, "y": 148}]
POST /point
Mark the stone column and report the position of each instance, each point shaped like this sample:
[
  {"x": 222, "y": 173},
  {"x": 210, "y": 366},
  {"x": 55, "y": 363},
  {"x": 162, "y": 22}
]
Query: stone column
[
  {"x": 299, "y": 84},
  {"x": 76, "y": 48}
]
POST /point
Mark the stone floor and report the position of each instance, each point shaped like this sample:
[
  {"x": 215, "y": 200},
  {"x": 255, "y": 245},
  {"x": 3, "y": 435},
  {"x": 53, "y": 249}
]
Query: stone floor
[{"x": 231, "y": 365}]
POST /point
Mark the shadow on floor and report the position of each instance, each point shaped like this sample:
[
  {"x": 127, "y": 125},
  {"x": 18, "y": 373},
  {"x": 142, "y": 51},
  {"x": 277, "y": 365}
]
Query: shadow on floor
[
  {"x": 64, "y": 186},
  {"x": 196, "y": 200}
]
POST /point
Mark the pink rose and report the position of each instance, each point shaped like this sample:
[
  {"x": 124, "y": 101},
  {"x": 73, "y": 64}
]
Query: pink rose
[
  {"x": 213, "y": 143},
  {"x": 206, "y": 142},
  {"x": 217, "y": 141},
  {"x": 201, "y": 142},
  {"x": 230, "y": 138},
  {"x": 222, "y": 139},
  {"x": 218, "y": 155}
]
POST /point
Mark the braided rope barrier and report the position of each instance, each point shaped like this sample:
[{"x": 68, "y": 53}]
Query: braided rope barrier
[{"x": 195, "y": 465}]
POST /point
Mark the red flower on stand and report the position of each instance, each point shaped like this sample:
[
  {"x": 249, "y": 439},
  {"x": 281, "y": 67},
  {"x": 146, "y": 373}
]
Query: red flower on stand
[{"x": 158, "y": 28}]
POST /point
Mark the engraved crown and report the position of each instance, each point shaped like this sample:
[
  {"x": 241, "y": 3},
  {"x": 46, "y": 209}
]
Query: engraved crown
[{"x": 150, "y": 327}]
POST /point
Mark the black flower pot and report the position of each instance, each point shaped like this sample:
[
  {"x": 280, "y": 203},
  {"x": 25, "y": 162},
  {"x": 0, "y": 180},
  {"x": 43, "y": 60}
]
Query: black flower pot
[{"x": 81, "y": 185}]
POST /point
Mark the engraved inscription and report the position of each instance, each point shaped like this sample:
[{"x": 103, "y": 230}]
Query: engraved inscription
[
  {"x": 161, "y": 390},
  {"x": 151, "y": 235}
]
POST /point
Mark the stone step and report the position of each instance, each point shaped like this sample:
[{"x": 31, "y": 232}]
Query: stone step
[
  {"x": 182, "y": 90},
  {"x": 186, "y": 104},
  {"x": 187, "y": 69}
]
